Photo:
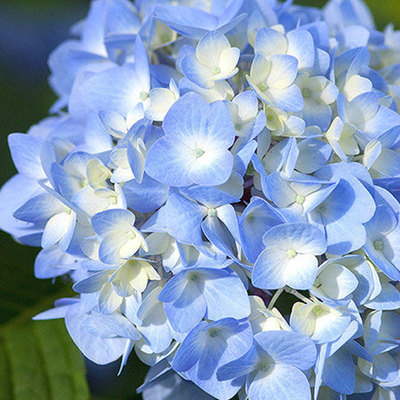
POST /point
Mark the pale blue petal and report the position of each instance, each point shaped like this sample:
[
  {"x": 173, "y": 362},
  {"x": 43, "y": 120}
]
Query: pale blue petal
[
  {"x": 184, "y": 218},
  {"x": 197, "y": 72},
  {"x": 387, "y": 299},
  {"x": 153, "y": 324},
  {"x": 220, "y": 129},
  {"x": 243, "y": 156},
  {"x": 93, "y": 283},
  {"x": 301, "y": 271},
  {"x": 111, "y": 325},
  {"x": 240, "y": 367},
  {"x": 13, "y": 194},
  {"x": 25, "y": 152},
  {"x": 110, "y": 220},
  {"x": 288, "y": 99},
  {"x": 174, "y": 287},
  {"x": 95, "y": 348},
  {"x": 141, "y": 61},
  {"x": 189, "y": 351},
  {"x": 210, "y": 196},
  {"x": 53, "y": 262},
  {"x": 39, "y": 208},
  {"x": 213, "y": 168},
  {"x": 110, "y": 247},
  {"x": 115, "y": 89},
  {"x": 231, "y": 342},
  {"x": 218, "y": 288},
  {"x": 188, "y": 310},
  {"x": 268, "y": 269},
  {"x": 258, "y": 217},
  {"x": 283, "y": 382},
  {"x": 317, "y": 114},
  {"x": 338, "y": 372},
  {"x": 269, "y": 41},
  {"x": 65, "y": 184},
  {"x": 169, "y": 162},
  {"x": 288, "y": 348},
  {"x": 302, "y": 237},
  {"x": 301, "y": 46},
  {"x": 147, "y": 196},
  {"x": 187, "y": 118},
  {"x": 313, "y": 154},
  {"x": 280, "y": 191},
  {"x": 218, "y": 234},
  {"x": 187, "y": 21}
]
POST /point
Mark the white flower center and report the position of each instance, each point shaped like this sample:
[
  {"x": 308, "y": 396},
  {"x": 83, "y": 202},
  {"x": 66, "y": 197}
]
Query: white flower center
[
  {"x": 198, "y": 152},
  {"x": 291, "y": 253},
  {"x": 262, "y": 86},
  {"x": 300, "y": 199},
  {"x": 143, "y": 96},
  {"x": 212, "y": 212}
]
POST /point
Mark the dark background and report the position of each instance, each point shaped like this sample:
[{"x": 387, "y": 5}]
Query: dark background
[{"x": 29, "y": 31}]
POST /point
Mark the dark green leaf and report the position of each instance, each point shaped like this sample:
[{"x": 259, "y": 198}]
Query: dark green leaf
[{"x": 38, "y": 360}]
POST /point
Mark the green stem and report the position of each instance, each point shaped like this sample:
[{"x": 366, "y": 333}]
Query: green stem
[
  {"x": 298, "y": 295},
  {"x": 275, "y": 298}
]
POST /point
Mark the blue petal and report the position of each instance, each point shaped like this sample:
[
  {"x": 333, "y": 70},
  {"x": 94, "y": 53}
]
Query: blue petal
[
  {"x": 219, "y": 235},
  {"x": 257, "y": 218},
  {"x": 39, "y": 208},
  {"x": 288, "y": 348},
  {"x": 184, "y": 218},
  {"x": 313, "y": 154},
  {"x": 147, "y": 196},
  {"x": 217, "y": 291},
  {"x": 25, "y": 152},
  {"x": 109, "y": 220},
  {"x": 189, "y": 351},
  {"x": 191, "y": 117},
  {"x": 111, "y": 325},
  {"x": 268, "y": 272},
  {"x": 115, "y": 89},
  {"x": 239, "y": 367},
  {"x": 188, "y": 310},
  {"x": 301, "y": 46},
  {"x": 154, "y": 325},
  {"x": 230, "y": 341},
  {"x": 95, "y": 348},
  {"x": 174, "y": 287},
  {"x": 288, "y": 99},
  {"x": 197, "y": 72},
  {"x": 283, "y": 382},
  {"x": 169, "y": 162},
  {"x": 338, "y": 372}
]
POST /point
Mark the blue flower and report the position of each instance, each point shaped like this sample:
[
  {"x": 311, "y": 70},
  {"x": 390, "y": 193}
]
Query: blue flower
[
  {"x": 209, "y": 346},
  {"x": 195, "y": 146},
  {"x": 289, "y": 257},
  {"x": 194, "y": 22},
  {"x": 272, "y": 79},
  {"x": 214, "y": 60},
  {"x": 274, "y": 365},
  {"x": 334, "y": 216},
  {"x": 195, "y": 293},
  {"x": 207, "y": 163},
  {"x": 119, "y": 238},
  {"x": 383, "y": 233}
]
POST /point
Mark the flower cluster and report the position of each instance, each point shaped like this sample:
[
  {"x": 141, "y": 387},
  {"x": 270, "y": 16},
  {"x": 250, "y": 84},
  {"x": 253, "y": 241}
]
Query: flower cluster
[{"x": 221, "y": 182}]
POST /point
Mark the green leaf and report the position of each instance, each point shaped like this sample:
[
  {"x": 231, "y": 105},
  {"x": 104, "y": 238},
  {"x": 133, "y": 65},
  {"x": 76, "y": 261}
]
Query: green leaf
[{"x": 38, "y": 360}]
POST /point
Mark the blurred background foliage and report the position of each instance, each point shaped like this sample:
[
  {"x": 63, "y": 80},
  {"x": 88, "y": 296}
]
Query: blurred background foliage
[{"x": 29, "y": 31}]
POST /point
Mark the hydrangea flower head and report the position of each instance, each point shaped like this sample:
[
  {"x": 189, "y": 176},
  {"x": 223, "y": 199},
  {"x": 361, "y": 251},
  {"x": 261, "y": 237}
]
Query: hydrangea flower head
[{"x": 220, "y": 180}]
